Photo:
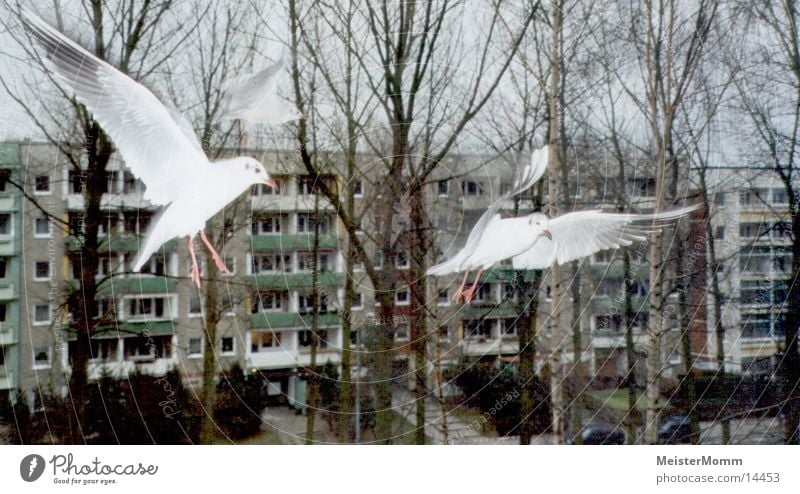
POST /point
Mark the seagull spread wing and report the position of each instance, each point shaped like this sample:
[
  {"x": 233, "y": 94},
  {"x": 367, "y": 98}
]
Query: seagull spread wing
[
  {"x": 152, "y": 143},
  {"x": 530, "y": 175},
  {"x": 245, "y": 91},
  {"x": 584, "y": 233}
]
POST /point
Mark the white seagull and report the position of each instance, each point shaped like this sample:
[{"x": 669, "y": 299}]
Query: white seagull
[
  {"x": 536, "y": 241},
  {"x": 493, "y": 239},
  {"x": 253, "y": 99},
  {"x": 160, "y": 150}
]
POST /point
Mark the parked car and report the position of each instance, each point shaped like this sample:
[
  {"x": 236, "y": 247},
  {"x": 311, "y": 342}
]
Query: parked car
[
  {"x": 675, "y": 429},
  {"x": 600, "y": 434}
]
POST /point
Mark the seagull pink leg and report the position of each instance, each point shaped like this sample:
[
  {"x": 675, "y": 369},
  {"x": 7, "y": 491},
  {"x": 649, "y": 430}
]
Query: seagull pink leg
[
  {"x": 195, "y": 267},
  {"x": 460, "y": 291},
  {"x": 217, "y": 259},
  {"x": 469, "y": 294}
]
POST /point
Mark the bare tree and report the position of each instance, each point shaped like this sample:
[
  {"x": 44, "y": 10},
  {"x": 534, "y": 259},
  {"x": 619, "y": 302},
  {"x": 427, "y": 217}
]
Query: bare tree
[{"x": 137, "y": 39}]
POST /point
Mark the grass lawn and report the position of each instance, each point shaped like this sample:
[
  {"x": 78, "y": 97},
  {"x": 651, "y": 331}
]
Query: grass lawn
[{"x": 617, "y": 399}]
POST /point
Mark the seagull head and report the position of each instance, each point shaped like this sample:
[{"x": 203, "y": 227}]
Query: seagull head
[
  {"x": 256, "y": 173},
  {"x": 540, "y": 224}
]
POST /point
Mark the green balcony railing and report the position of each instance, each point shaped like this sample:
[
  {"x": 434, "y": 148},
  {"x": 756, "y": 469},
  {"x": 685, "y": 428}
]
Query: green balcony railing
[
  {"x": 272, "y": 320},
  {"x": 293, "y": 280},
  {"x": 292, "y": 242}
]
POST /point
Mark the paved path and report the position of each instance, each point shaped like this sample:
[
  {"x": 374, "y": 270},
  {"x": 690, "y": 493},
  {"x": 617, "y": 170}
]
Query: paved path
[
  {"x": 458, "y": 431},
  {"x": 291, "y": 427}
]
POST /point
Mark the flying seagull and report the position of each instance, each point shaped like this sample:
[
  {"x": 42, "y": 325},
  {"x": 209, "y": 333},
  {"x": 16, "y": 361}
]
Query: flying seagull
[
  {"x": 536, "y": 241},
  {"x": 480, "y": 251},
  {"x": 158, "y": 147},
  {"x": 253, "y": 99}
]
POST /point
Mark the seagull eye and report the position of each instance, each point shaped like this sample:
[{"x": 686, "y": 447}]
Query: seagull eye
[{"x": 258, "y": 170}]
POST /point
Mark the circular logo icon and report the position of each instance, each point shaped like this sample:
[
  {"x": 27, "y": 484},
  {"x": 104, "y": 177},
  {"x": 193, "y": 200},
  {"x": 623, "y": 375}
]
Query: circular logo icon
[{"x": 31, "y": 468}]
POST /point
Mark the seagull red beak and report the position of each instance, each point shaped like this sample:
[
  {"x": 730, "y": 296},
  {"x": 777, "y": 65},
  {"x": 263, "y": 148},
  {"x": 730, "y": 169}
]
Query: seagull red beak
[
  {"x": 271, "y": 183},
  {"x": 546, "y": 233}
]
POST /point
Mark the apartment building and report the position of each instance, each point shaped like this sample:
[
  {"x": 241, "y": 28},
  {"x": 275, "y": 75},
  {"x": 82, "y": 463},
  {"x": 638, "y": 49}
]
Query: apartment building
[
  {"x": 752, "y": 234},
  {"x": 10, "y": 258},
  {"x": 154, "y": 320}
]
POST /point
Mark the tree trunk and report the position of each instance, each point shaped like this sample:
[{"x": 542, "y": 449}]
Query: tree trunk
[
  {"x": 208, "y": 427},
  {"x": 312, "y": 397},
  {"x": 419, "y": 322},
  {"x": 554, "y": 177}
]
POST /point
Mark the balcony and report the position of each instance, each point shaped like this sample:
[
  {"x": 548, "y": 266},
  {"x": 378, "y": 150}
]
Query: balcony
[
  {"x": 7, "y": 247},
  {"x": 137, "y": 284},
  {"x": 7, "y": 204},
  {"x": 119, "y": 243},
  {"x": 6, "y": 379},
  {"x": 293, "y": 281},
  {"x": 7, "y": 291},
  {"x": 7, "y": 334},
  {"x": 489, "y": 310},
  {"x": 274, "y": 320},
  {"x": 287, "y": 202},
  {"x": 292, "y": 242}
]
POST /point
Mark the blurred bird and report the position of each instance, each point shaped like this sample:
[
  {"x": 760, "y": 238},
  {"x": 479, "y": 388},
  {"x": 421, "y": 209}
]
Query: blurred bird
[
  {"x": 535, "y": 241},
  {"x": 253, "y": 99},
  {"x": 159, "y": 148}
]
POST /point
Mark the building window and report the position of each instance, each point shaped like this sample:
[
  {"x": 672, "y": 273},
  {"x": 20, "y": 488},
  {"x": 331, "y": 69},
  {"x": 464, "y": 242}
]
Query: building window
[
  {"x": 195, "y": 307},
  {"x": 358, "y": 188},
  {"x": 357, "y": 301},
  {"x": 751, "y": 230},
  {"x": 41, "y": 271},
  {"x": 305, "y": 338},
  {"x": 402, "y": 260},
  {"x": 265, "y": 341},
  {"x": 443, "y": 298},
  {"x": 227, "y": 345},
  {"x": 306, "y": 186},
  {"x": 471, "y": 188},
  {"x": 483, "y": 294},
  {"x": 603, "y": 257},
  {"x": 41, "y": 357},
  {"x": 41, "y": 228},
  {"x": 230, "y": 263},
  {"x": 150, "y": 307},
  {"x": 5, "y": 224},
  {"x": 443, "y": 188},
  {"x": 266, "y": 190},
  {"x": 305, "y": 261},
  {"x": 267, "y": 302},
  {"x": 719, "y": 199},
  {"x": 401, "y": 333},
  {"x": 401, "y": 296},
  {"x": 779, "y": 197},
  {"x": 608, "y": 322},
  {"x": 266, "y": 225},
  {"x": 271, "y": 263},
  {"x": 641, "y": 187},
  {"x": 508, "y": 328},
  {"x": 306, "y": 222},
  {"x": 719, "y": 232},
  {"x": 136, "y": 221},
  {"x": 479, "y": 328},
  {"x": 195, "y": 347},
  {"x": 3, "y": 309},
  {"x": 42, "y": 314},
  {"x": 3, "y": 266},
  {"x": 156, "y": 265},
  {"x": 147, "y": 348},
  {"x": 41, "y": 184}
]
